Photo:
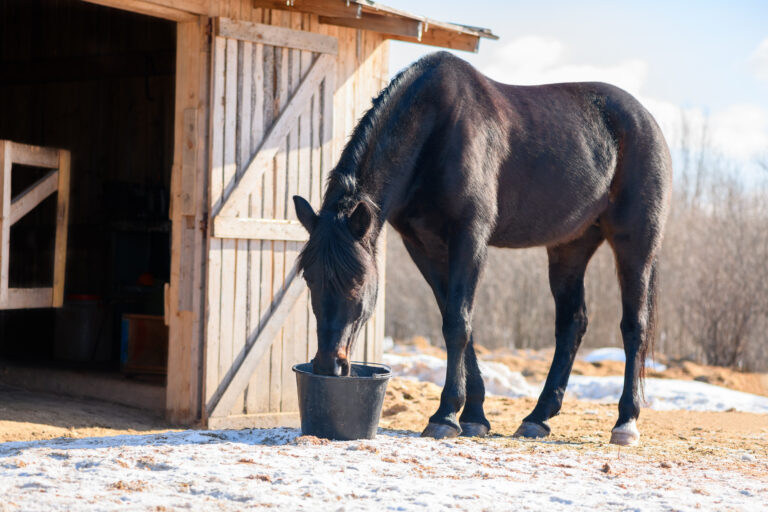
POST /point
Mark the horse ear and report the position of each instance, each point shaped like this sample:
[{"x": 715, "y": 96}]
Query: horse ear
[
  {"x": 360, "y": 220},
  {"x": 305, "y": 213}
]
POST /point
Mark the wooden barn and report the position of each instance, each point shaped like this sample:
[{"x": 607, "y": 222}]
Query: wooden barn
[{"x": 148, "y": 153}]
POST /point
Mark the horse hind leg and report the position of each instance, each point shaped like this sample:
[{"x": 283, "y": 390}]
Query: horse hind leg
[
  {"x": 567, "y": 265},
  {"x": 637, "y": 279}
]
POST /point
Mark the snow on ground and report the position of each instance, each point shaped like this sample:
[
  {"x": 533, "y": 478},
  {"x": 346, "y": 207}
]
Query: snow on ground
[
  {"x": 235, "y": 470},
  {"x": 669, "y": 394},
  {"x": 499, "y": 380},
  {"x": 661, "y": 394},
  {"x": 617, "y": 354}
]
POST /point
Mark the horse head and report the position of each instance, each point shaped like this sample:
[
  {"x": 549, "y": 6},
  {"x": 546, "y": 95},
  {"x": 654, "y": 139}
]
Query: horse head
[{"x": 339, "y": 265}]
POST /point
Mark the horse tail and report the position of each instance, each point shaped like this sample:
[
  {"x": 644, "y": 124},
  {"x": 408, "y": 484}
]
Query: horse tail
[{"x": 647, "y": 347}]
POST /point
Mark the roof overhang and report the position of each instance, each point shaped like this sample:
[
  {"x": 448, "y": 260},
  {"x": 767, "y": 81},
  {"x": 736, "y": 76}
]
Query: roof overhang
[
  {"x": 362, "y": 14},
  {"x": 397, "y": 24}
]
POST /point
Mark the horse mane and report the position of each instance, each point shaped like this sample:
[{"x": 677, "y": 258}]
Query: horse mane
[
  {"x": 343, "y": 260},
  {"x": 344, "y": 182}
]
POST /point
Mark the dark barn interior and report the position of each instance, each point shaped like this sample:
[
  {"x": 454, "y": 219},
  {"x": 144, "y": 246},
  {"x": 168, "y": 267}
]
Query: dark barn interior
[{"x": 100, "y": 83}]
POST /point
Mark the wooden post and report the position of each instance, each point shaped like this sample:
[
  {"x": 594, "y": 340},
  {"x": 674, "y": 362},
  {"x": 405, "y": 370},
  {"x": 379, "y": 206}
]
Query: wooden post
[
  {"x": 5, "y": 217},
  {"x": 62, "y": 228},
  {"x": 188, "y": 210}
]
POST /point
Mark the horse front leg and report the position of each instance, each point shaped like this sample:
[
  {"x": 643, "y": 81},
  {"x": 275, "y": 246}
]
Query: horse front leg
[
  {"x": 472, "y": 420},
  {"x": 433, "y": 267},
  {"x": 466, "y": 257}
]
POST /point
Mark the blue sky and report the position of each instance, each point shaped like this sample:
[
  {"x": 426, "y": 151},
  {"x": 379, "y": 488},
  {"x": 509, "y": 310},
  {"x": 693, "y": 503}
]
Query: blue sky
[{"x": 707, "y": 59}]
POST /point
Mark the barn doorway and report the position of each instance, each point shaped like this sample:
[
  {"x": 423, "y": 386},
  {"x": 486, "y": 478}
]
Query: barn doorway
[{"x": 98, "y": 82}]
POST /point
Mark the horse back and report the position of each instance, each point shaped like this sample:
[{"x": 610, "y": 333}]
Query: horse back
[{"x": 574, "y": 149}]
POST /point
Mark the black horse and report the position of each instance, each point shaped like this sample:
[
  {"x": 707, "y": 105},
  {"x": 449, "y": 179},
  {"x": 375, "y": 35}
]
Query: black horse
[{"x": 456, "y": 162}]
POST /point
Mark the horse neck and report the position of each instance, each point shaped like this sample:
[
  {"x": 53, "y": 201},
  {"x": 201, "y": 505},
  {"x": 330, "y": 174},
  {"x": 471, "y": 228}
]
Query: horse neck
[{"x": 385, "y": 167}]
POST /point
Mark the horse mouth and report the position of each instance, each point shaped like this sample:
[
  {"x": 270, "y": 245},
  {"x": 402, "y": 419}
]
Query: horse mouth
[{"x": 333, "y": 366}]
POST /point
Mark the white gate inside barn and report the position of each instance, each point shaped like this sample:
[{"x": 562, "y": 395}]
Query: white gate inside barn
[{"x": 271, "y": 137}]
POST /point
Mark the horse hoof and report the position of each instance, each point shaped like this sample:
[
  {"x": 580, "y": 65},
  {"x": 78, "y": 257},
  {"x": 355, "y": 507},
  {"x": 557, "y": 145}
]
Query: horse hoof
[
  {"x": 530, "y": 429},
  {"x": 439, "y": 431},
  {"x": 626, "y": 434},
  {"x": 474, "y": 430}
]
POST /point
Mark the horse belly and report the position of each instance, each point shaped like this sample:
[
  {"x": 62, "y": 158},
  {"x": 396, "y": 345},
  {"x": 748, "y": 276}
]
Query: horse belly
[{"x": 548, "y": 216}]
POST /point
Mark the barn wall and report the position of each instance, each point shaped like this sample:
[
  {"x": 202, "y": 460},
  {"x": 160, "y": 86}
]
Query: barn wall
[{"x": 247, "y": 274}]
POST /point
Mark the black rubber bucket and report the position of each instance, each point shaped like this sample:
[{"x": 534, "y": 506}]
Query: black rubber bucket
[{"x": 342, "y": 408}]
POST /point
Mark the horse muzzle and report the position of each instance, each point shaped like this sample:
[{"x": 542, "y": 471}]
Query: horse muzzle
[{"x": 335, "y": 364}]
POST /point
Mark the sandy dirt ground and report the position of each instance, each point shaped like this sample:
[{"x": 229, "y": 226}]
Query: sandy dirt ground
[
  {"x": 28, "y": 416},
  {"x": 669, "y": 437}
]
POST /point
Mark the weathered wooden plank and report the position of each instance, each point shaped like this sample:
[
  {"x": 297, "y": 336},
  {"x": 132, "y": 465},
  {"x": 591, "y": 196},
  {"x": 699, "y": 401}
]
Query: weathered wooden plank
[
  {"x": 230, "y": 389},
  {"x": 294, "y": 335},
  {"x": 195, "y": 321},
  {"x": 279, "y": 248},
  {"x": 386, "y": 24},
  {"x": 34, "y": 156},
  {"x": 186, "y": 202},
  {"x": 304, "y": 189},
  {"x": 262, "y": 204},
  {"x": 265, "y": 420},
  {"x": 276, "y": 36},
  {"x": 444, "y": 39},
  {"x": 62, "y": 229},
  {"x": 187, "y": 189},
  {"x": 149, "y": 8},
  {"x": 339, "y": 8},
  {"x": 246, "y": 228},
  {"x": 26, "y": 201},
  {"x": 255, "y": 393},
  {"x": 228, "y": 256},
  {"x": 236, "y": 202},
  {"x": 314, "y": 196},
  {"x": 243, "y": 148},
  {"x": 5, "y": 217},
  {"x": 184, "y": 310},
  {"x": 327, "y": 137},
  {"x": 216, "y": 188},
  {"x": 27, "y": 298}
]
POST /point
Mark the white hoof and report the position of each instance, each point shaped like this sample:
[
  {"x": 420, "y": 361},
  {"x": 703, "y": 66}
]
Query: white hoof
[{"x": 626, "y": 434}]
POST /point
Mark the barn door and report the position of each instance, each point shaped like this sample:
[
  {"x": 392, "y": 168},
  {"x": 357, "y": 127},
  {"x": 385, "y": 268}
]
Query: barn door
[
  {"x": 13, "y": 208},
  {"x": 272, "y": 107}
]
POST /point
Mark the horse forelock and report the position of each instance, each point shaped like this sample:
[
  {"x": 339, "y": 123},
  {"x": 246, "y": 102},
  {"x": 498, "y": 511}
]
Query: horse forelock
[{"x": 343, "y": 263}]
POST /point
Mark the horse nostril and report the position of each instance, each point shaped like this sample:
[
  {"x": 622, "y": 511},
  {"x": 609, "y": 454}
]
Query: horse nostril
[{"x": 341, "y": 367}]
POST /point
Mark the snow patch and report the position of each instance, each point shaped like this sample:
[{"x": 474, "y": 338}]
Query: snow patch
[
  {"x": 617, "y": 354},
  {"x": 499, "y": 380},
  {"x": 660, "y": 394},
  {"x": 670, "y": 394}
]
